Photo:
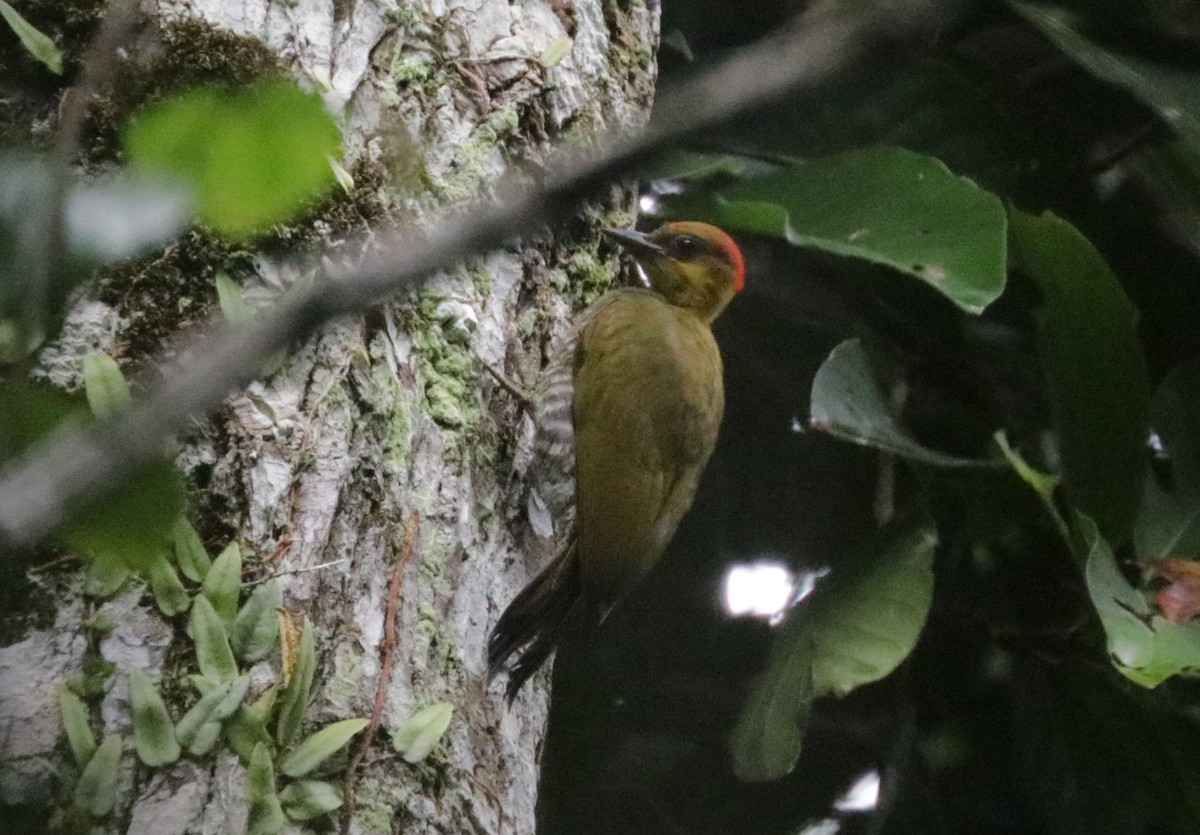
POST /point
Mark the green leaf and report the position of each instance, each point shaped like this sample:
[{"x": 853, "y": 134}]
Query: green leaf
[
  {"x": 308, "y": 799},
  {"x": 266, "y": 815},
  {"x": 1169, "y": 87},
  {"x": 857, "y": 627},
  {"x": 214, "y": 706},
  {"x": 104, "y": 384},
  {"x": 223, "y": 583},
  {"x": 190, "y": 554},
  {"x": 256, "y": 627},
  {"x": 1168, "y": 523},
  {"x": 1095, "y": 372},
  {"x": 205, "y": 739},
  {"x": 248, "y": 726},
  {"x": 418, "y": 735},
  {"x": 213, "y": 655},
  {"x": 850, "y": 401},
  {"x": 96, "y": 791},
  {"x": 75, "y": 724},
  {"x": 169, "y": 593},
  {"x": 886, "y": 205},
  {"x": 203, "y": 684},
  {"x": 767, "y": 739},
  {"x": 153, "y": 730},
  {"x": 299, "y": 686},
  {"x": 253, "y": 157},
  {"x": 233, "y": 304},
  {"x": 1143, "y": 645},
  {"x": 37, "y": 44},
  {"x": 320, "y": 746}
]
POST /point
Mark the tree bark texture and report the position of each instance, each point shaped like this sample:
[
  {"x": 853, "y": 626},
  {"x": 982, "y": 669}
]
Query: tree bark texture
[{"x": 379, "y": 418}]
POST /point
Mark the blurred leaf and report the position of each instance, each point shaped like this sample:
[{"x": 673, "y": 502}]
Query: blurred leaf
[
  {"x": 29, "y": 412},
  {"x": 214, "y": 706},
  {"x": 295, "y": 696},
  {"x": 320, "y": 746},
  {"x": 133, "y": 521},
  {"x": 190, "y": 553},
  {"x": 308, "y": 799},
  {"x": 885, "y": 205},
  {"x": 850, "y": 402},
  {"x": 553, "y": 54},
  {"x": 266, "y": 815},
  {"x": 96, "y": 791},
  {"x": 232, "y": 302},
  {"x": 75, "y": 724},
  {"x": 256, "y": 627},
  {"x": 1143, "y": 645},
  {"x": 683, "y": 164},
  {"x": 169, "y": 593},
  {"x": 104, "y": 384},
  {"x": 418, "y": 734},
  {"x": 37, "y": 44},
  {"x": 153, "y": 730},
  {"x": 856, "y": 628},
  {"x": 1168, "y": 524},
  {"x": 118, "y": 217},
  {"x": 125, "y": 526},
  {"x": 223, "y": 583},
  {"x": 1096, "y": 375},
  {"x": 105, "y": 220},
  {"x": 1169, "y": 88},
  {"x": 213, "y": 654},
  {"x": 253, "y": 158}
]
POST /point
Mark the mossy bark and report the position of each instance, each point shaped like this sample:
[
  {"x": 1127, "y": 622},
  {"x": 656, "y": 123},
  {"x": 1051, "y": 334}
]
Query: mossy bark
[{"x": 378, "y": 417}]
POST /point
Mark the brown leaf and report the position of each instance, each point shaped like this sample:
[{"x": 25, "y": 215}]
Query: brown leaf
[
  {"x": 289, "y": 640},
  {"x": 1179, "y": 600}
]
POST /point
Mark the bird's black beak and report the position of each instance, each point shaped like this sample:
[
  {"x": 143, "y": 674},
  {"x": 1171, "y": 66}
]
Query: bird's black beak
[{"x": 638, "y": 243}]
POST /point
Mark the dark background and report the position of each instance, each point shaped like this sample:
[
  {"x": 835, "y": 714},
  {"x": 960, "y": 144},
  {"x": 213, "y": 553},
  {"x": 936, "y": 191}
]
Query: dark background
[{"x": 1007, "y": 718}]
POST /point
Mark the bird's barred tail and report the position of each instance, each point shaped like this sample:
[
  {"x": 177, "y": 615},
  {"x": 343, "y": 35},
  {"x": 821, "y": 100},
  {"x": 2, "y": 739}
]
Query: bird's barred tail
[{"x": 536, "y": 620}]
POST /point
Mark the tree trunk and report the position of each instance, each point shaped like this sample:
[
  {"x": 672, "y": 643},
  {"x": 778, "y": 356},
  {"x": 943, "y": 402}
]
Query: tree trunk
[{"x": 379, "y": 420}]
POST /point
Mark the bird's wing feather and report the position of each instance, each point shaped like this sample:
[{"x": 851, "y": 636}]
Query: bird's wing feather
[{"x": 645, "y": 421}]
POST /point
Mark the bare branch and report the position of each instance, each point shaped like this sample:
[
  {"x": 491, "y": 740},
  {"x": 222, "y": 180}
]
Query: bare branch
[{"x": 78, "y": 462}]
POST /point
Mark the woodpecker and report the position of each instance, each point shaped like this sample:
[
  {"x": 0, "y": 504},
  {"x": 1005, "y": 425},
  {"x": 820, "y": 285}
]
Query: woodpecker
[{"x": 628, "y": 416}]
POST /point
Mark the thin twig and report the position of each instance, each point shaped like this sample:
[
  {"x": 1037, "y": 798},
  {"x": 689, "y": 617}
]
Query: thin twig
[
  {"x": 304, "y": 570},
  {"x": 387, "y": 652},
  {"x": 505, "y": 383},
  {"x": 75, "y": 464}
]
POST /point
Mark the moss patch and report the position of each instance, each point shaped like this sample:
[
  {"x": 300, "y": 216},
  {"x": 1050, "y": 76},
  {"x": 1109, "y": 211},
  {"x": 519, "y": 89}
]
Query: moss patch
[{"x": 161, "y": 293}]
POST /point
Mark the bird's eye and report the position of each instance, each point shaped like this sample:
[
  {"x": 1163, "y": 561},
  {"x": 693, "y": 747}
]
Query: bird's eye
[{"x": 687, "y": 246}]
